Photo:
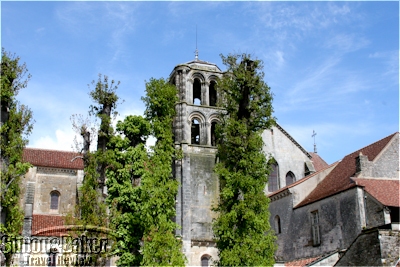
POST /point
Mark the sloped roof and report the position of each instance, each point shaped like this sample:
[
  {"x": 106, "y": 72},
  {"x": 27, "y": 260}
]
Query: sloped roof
[
  {"x": 52, "y": 158},
  {"x": 48, "y": 225},
  {"x": 385, "y": 191},
  {"x": 338, "y": 179},
  {"x": 301, "y": 180},
  {"x": 318, "y": 162},
  {"x": 301, "y": 262}
]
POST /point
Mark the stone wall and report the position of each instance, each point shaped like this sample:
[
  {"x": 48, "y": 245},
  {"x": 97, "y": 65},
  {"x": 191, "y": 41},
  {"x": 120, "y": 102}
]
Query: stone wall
[
  {"x": 373, "y": 248},
  {"x": 386, "y": 165},
  {"x": 45, "y": 180},
  {"x": 204, "y": 187},
  {"x": 287, "y": 153},
  {"x": 374, "y": 212},
  {"x": 339, "y": 225}
]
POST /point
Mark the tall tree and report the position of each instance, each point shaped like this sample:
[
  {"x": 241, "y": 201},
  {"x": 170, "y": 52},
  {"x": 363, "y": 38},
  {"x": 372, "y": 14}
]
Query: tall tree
[
  {"x": 124, "y": 173},
  {"x": 16, "y": 125},
  {"x": 91, "y": 207},
  {"x": 242, "y": 229},
  {"x": 142, "y": 189},
  {"x": 159, "y": 187}
]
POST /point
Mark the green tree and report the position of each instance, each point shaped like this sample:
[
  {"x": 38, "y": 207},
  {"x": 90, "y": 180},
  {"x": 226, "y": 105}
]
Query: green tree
[
  {"x": 242, "y": 229},
  {"x": 91, "y": 208},
  {"x": 159, "y": 187},
  {"x": 142, "y": 189},
  {"x": 129, "y": 158},
  {"x": 16, "y": 125}
]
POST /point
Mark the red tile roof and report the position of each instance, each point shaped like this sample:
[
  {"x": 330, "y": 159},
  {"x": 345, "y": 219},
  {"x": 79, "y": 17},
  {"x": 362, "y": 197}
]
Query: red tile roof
[
  {"x": 385, "y": 191},
  {"x": 318, "y": 162},
  {"x": 53, "y": 158},
  {"x": 338, "y": 179},
  {"x": 48, "y": 225},
  {"x": 301, "y": 263}
]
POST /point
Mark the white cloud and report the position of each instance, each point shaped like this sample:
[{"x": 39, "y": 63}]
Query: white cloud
[
  {"x": 344, "y": 43},
  {"x": 61, "y": 140}
]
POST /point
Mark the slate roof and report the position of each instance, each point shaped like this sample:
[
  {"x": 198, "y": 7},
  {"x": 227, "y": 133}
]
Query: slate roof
[
  {"x": 48, "y": 225},
  {"x": 339, "y": 179},
  {"x": 385, "y": 191},
  {"x": 52, "y": 158},
  {"x": 318, "y": 162}
]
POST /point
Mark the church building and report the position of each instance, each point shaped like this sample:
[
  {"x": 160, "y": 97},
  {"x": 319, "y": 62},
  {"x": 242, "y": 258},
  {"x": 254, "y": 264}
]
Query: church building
[{"x": 313, "y": 206}]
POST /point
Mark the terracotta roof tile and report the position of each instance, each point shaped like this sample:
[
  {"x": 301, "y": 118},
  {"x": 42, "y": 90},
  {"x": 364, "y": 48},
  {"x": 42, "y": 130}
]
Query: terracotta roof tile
[
  {"x": 48, "y": 225},
  {"x": 318, "y": 162},
  {"x": 301, "y": 262},
  {"x": 338, "y": 179},
  {"x": 52, "y": 158},
  {"x": 385, "y": 191}
]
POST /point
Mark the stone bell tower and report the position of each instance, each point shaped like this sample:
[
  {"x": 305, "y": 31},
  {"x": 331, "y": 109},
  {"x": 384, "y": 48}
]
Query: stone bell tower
[{"x": 194, "y": 129}]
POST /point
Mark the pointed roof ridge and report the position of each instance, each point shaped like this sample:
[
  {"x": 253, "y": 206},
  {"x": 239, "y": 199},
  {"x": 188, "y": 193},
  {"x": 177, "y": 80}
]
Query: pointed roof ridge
[
  {"x": 339, "y": 179},
  {"x": 293, "y": 140}
]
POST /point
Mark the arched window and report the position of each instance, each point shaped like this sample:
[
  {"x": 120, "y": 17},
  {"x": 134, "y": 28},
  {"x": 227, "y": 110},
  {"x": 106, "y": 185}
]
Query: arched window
[
  {"x": 273, "y": 179},
  {"x": 213, "y": 136},
  {"x": 205, "y": 260},
  {"x": 290, "y": 178},
  {"x": 195, "y": 132},
  {"x": 196, "y": 92},
  {"x": 212, "y": 94},
  {"x": 277, "y": 224},
  {"x": 54, "y": 200}
]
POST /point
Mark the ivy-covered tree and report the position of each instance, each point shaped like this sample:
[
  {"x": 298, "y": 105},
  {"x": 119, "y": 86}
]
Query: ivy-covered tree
[
  {"x": 159, "y": 187},
  {"x": 124, "y": 173},
  {"x": 242, "y": 229},
  {"x": 142, "y": 189},
  {"x": 16, "y": 125}
]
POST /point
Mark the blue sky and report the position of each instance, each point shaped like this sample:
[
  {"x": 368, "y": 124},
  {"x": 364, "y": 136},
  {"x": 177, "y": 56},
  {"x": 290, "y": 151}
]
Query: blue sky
[{"x": 332, "y": 66}]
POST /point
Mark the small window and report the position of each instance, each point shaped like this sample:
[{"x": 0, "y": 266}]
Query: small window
[
  {"x": 213, "y": 136},
  {"x": 205, "y": 261},
  {"x": 278, "y": 224},
  {"x": 195, "y": 132},
  {"x": 213, "y": 94},
  {"x": 315, "y": 228},
  {"x": 273, "y": 179},
  {"x": 54, "y": 200},
  {"x": 197, "y": 92},
  {"x": 290, "y": 178}
]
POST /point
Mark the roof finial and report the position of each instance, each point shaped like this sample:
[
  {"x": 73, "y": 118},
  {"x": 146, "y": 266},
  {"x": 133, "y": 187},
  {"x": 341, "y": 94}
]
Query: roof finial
[
  {"x": 315, "y": 145},
  {"x": 196, "y": 57}
]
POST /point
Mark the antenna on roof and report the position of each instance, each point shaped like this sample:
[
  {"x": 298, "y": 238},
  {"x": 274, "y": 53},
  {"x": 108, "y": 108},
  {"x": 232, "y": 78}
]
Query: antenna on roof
[
  {"x": 196, "y": 57},
  {"x": 315, "y": 145}
]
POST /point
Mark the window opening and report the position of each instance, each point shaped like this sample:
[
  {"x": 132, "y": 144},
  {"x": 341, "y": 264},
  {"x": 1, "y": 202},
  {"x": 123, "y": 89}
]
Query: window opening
[
  {"x": 205, "y": 261},
  {"x": 54, "y": 196},
  {"x": 213, "y": 94},
  {"x": 315, "y": 228},
  {"x": 197, "y": 92},
  {"x": 290, "y": 178},
  {"x": 277, "y": 224},
  {"x": 273, "y": 179},
  {"x": 213, "y": 135},
  {"x": 195, "y": 132}
]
